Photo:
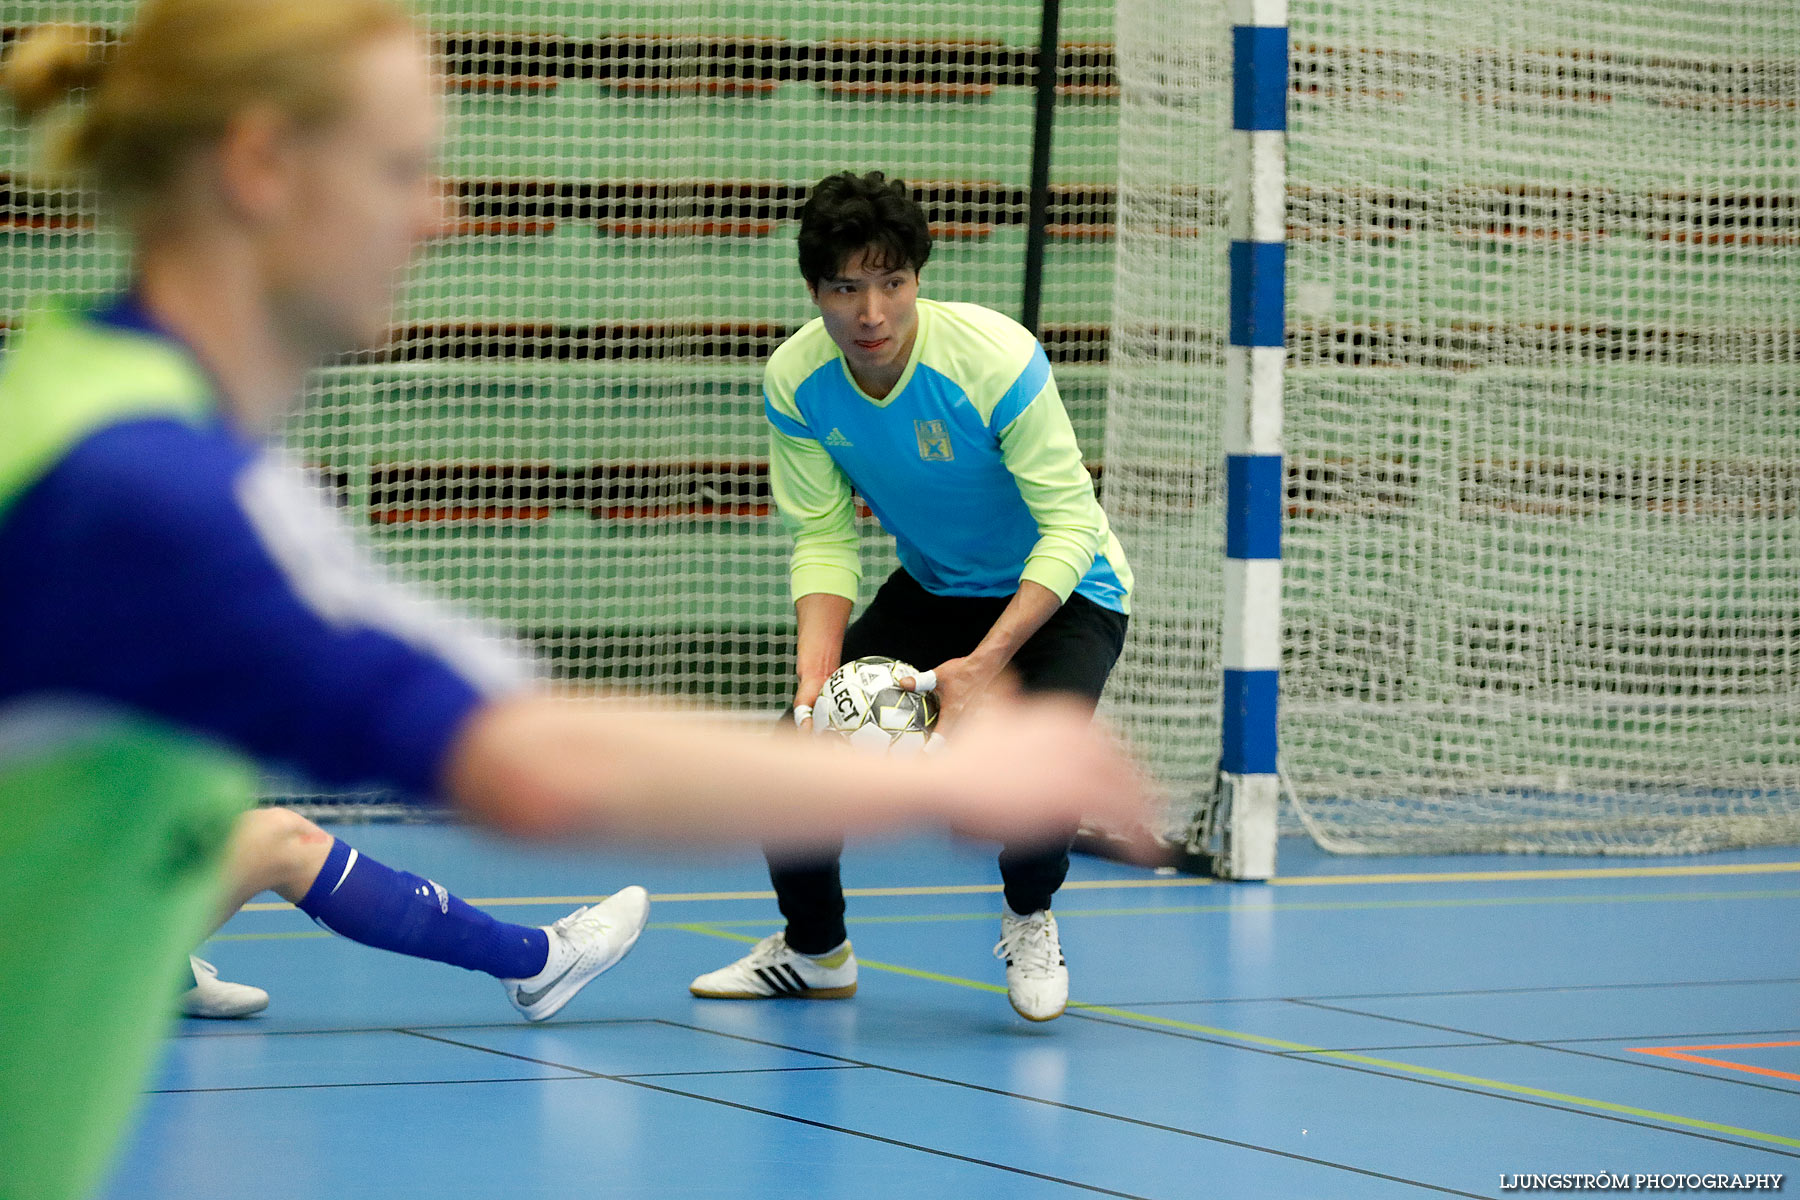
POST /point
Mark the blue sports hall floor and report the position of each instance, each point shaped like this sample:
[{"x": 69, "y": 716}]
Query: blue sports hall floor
[{"x": 1354, "y": 1028}]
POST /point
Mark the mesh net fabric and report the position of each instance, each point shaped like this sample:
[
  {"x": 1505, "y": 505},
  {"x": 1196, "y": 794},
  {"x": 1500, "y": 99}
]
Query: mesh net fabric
[{"x": 1542, "y": 418}]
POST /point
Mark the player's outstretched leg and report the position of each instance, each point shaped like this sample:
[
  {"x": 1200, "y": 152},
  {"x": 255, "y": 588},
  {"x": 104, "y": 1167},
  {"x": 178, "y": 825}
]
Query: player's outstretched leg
[
  {"x": 774, "y": 969},
  {"x": 353, "y": 895}
]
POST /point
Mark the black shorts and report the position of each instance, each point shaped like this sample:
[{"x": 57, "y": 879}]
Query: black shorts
[{"x": 1074, "y": 652}]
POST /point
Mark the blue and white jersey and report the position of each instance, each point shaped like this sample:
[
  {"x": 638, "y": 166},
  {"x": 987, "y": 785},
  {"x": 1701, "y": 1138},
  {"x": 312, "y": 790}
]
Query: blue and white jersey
[{"x": 174, "y": 568}]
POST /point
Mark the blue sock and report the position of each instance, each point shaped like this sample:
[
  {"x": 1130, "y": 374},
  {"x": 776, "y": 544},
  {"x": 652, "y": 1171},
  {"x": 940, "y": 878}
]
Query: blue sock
[{"x": 361, "y": 899}]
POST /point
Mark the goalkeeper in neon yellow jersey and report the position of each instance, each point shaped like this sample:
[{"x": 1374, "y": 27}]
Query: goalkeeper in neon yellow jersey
[{"x": 945, "y": 419}]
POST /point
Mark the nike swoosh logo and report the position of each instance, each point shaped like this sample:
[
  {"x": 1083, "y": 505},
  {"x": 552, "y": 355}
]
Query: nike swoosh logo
[{"x": 528, "y": 999}]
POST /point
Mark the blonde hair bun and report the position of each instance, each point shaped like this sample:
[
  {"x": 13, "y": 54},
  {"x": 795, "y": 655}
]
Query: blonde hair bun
[
  {"x": 48, "y": 63},
  {"x": 171, "y": 85}
]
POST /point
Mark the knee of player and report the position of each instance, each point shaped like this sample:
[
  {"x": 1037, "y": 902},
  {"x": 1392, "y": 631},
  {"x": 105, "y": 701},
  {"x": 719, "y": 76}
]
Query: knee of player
[
  {"x": 281, "y": 840},
  {"x": 271, "y": 825}
]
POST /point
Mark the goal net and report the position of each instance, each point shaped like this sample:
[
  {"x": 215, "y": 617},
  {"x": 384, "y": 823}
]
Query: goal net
[{"x": 1542, "y": 544}]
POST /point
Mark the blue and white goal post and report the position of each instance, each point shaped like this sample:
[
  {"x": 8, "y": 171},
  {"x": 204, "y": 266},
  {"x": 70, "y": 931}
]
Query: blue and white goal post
[{"x": 1239, "y": 824}]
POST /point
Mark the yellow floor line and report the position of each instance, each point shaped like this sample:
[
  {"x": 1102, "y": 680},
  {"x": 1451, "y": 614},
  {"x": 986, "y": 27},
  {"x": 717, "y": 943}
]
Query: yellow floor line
[
  {"x": 1172, "y": 910},
  {"x": 1772, "y": 868},
  {"x": 946, "y": 889},
  {"x": 1299, "y": 1048},
  {"x": 1095, "y": 885},
  {"x": 1179, "y": 910}
]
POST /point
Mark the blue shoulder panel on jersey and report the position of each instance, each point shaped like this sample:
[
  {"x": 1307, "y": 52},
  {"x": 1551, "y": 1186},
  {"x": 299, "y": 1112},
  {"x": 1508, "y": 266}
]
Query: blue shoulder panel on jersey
[
  {"x": 126, "y": 311},
  {"x": 134, "y": 575},
  {"x": 785, "y": 423},
  {"x": 1023, "y": 391}
]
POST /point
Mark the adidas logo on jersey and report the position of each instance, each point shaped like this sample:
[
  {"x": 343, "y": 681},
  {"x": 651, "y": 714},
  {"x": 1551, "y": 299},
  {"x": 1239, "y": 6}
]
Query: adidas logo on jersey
[{"x": 836, "y": 438}]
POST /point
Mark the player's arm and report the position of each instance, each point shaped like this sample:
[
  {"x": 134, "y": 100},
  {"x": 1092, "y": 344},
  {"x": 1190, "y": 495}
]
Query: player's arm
[
  {"x": 234, "y": 606},
  {"x": 817, "y": 508},
  {"x": 1037, "y": 444},
  {"x": 822, "y": 618},
  {"x": 543, "y": 768},
  {"x": 961, "y": 682}
]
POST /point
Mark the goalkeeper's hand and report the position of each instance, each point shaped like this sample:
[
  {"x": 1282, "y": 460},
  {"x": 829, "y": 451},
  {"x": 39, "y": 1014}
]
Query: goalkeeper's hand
[
  {"x": 961, "y": 685},
  {"x": 805, "y": 696}
]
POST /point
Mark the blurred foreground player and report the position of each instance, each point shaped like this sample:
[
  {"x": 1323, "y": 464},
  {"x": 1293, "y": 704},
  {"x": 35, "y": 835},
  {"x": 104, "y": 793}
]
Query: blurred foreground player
[
  {"x": 944, "y": 418},
  {"x": 176, "y": 601}
]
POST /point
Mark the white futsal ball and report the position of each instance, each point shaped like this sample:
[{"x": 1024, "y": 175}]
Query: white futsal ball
[{"x": 864, "y": 704}]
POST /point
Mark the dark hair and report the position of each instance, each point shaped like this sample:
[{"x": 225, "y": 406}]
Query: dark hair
[{"x": 845, "y": 213}]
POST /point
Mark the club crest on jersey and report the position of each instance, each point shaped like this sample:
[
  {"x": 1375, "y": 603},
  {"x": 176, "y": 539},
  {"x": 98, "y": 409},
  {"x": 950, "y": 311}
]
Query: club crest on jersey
[{"x": 934, "y": 441}]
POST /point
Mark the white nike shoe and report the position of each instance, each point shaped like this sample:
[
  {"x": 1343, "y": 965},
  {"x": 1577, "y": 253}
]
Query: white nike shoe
[
  {"x": 582, "y": 945},
  {"x": 214, "y": 997},
  {"x": 1037, "y": 978},
  {"x": 772, "y": 969}
]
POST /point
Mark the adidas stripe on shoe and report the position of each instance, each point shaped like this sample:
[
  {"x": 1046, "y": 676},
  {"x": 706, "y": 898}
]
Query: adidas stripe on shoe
[{"x": 773, "y": 970}]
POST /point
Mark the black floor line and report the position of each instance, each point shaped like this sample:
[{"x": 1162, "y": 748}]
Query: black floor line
[
  {"x": 1392, "y": 1049},
  {"x": 1712, "y": 1036},
  {"x": 639, "y": 1082},
  {"x": 250, "y": 1027},
  {"x": 1067, "y": 1107},
  {"x": 738, "y": 1071},
  {"x": 345, "y": 1087},
  {"x": 382, "y": 1083}
]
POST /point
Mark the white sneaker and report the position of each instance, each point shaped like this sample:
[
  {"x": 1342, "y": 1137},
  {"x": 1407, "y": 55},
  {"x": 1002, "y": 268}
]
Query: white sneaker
[
  {"x": 582, "y": 945},
  {"x": 1037, "y": 979},
  {"x": 214, "y": 997},
  {"x": 772, "y": 969}
]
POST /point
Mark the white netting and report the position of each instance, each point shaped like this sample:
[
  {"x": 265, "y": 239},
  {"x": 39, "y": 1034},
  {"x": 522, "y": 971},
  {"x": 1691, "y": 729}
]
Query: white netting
[
  {"x": 566, "y": 433},
  {"x": 1163, "y": 485},
  {"x": 1543, "y": 417}
]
